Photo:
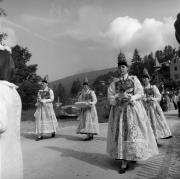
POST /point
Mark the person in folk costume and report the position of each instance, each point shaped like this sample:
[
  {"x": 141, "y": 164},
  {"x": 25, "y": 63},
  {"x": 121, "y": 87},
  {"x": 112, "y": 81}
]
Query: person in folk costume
[
  {"x": 46, "y": 122},
  {"x": 88, "y": 118},
  {"x": 174, "y": 99},
  {"x": 151, "y": 101},
  {"x": 130, "y": 137},
  {"x": 178, "y": 102},
  {"x": 10, "y": 117},
  {"x": 165, "y": 101}
]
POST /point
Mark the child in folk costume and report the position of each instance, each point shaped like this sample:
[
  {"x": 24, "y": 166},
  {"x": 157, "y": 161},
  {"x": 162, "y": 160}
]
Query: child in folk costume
[
  {"x": 46, "y": 122},
  {"x": 88, "y": 118},
  {"x": 10, "y": 117},
  {"x": 151, "y": 101},
  {"x": 130, "y": 136}
]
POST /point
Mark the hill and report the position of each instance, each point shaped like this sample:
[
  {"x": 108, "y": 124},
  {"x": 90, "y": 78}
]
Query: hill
[{"x": 67, "y": 81}]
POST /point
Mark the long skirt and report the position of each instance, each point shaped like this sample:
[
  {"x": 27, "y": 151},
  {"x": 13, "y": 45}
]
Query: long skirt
[
  {"x": 158, "y": 120},
  {"x": 130, "y": 135},
  {"x": 88, "y": 121},
  {"x": 46, "y": 121}
]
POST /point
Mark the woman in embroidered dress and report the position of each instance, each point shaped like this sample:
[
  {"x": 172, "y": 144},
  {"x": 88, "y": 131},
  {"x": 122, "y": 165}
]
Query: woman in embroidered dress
[
  {"x": 10, "y": 116},
  {"x": 46, "y": 122},
  {"x": 88, "y": 118},
  {"x": 130, "y": 136},
  {"x": 151, "y": 101}
]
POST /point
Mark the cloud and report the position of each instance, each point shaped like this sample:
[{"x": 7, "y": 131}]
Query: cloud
[
  {"x": 31, "y": 19},
  {"x": 89, "y": 24},
  {"x": 37, "y": 35},
  {"x": 128, "y": 33},
  {"x": 96, "y": 24}
]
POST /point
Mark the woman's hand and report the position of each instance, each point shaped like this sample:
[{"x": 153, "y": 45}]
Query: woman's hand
[
  {"x": 43, "y": 101},
  {"x": 150, "y": 99}
]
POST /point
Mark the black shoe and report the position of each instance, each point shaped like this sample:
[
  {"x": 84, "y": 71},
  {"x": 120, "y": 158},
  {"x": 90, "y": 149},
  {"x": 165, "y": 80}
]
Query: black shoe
[
  {"x": 91, "y": 137},
  {"x": 87, "y": 138},
  {"x": 39, "y": 138},
  {"x": 53, "y": 134},
  {"x": 122, "y": 170},
  {"x": 167, "y": 137}
]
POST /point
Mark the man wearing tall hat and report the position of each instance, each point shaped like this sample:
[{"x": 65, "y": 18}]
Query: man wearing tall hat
[
  {"x": 130, "y": 137},
  {"x": 46, "y": 122},
  {"x": 88, "y": 118},
  {"x": 151, "y": 101}
]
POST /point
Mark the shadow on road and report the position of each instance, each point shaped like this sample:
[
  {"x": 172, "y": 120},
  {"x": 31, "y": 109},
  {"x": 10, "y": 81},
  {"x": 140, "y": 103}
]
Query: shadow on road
[{"x": 97, "y": 159}]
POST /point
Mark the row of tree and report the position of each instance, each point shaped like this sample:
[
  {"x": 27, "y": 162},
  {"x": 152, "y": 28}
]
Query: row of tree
[
  {"x": 28, "y": 81},
  {"x": 25, "y": 78},
  {"x": 138, "y": 63}
]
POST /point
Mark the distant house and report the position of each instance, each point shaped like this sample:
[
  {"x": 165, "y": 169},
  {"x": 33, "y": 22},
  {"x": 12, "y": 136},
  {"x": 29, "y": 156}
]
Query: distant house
[{"x": 175, "y": 69}]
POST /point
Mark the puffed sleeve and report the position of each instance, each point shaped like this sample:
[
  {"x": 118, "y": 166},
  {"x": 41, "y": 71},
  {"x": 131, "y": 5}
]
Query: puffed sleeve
[
  {"x": 51, "y": 96},
  {"x": 3, "y": 117},
  {"x": 138, "y": 89},
  {"x": 111, "y": 94},
  {"x": 157, "y": 94},
  {"x": 94, "y": 98}
]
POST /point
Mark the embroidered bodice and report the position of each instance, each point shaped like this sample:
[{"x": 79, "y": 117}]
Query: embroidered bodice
[
  {"x": 44, "y": 94},
  {"x": 126, "y": 85},
  {"x": 149, "y": 92},
  {"x": 86, "y": 96}
]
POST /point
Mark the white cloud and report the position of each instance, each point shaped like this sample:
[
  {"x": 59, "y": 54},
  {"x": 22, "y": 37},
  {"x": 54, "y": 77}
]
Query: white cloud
[{"x": 127, "y": 34}]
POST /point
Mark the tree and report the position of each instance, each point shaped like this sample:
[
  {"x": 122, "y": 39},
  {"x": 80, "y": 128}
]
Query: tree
[
  {"x": 121, "y": 56},
  {"x": 149, "y": 63},
  {"x": 136, "y": 57},
  {"x": 102, "y": 82},
  {"x": 59, "y": 92},
  {"x": 76, "y": 87},
  {"x": 169, "y": 53},
  {"x": 25, "y": 77},
  {"x": 137, "y": 65},
  {"x": 2, "y": 11}
]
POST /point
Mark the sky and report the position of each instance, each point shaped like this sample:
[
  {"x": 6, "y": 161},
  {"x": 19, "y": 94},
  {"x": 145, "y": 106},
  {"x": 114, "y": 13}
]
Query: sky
[{"x": 67, "y": 37}]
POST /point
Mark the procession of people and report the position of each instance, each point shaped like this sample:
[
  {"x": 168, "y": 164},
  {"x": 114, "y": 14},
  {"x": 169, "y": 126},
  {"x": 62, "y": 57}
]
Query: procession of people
[{"x": 136, "y": 120}]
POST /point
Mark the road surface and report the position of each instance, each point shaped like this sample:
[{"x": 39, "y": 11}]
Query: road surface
[{"x": 69, "y": 157}]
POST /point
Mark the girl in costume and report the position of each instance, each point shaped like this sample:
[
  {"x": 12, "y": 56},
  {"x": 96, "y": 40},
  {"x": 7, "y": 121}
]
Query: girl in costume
[
  {"x": 130, "y": 137},
  {"x": 151, "y": 101},
  {"x": 46, "y": 122},
  {"x": 88, "y": 118}
]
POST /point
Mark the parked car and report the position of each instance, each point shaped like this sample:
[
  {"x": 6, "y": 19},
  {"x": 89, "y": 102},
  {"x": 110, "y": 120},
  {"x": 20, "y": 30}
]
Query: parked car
[{"x": 68, "y": 111}]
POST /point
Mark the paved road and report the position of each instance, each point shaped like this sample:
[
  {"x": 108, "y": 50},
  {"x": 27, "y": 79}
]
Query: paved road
[{"x": 69, "y": 157}]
